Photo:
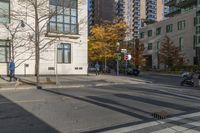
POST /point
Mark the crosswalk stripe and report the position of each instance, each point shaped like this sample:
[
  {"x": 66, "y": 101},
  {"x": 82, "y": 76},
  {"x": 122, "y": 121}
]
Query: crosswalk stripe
[
  {"x": 155, "y": 123},
  {"x": 180, "y": 128}
]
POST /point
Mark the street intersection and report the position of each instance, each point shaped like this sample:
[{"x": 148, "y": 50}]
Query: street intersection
[{"x": 106, "y": 107}]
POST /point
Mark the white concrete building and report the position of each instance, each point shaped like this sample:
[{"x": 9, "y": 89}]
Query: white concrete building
[{"x": 63, "y": 36}]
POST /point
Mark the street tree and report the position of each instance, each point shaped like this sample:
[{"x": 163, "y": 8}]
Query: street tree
[
  {"x": 103, "y": 40},
  {"x": 170, "y": 55},
  {"x": 18, "y": 44},
  {"x": 137, "y": 52}
]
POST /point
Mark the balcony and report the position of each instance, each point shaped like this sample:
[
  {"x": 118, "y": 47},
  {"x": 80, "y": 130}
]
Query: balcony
[
  {"x": 185, "y": 3},
  {"x": 173, "y": 13},
  {"x": 170, "y": 3}
]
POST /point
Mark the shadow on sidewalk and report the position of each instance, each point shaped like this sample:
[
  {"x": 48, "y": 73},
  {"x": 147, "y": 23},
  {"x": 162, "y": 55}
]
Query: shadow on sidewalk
[{"x": 15, "y": 119}]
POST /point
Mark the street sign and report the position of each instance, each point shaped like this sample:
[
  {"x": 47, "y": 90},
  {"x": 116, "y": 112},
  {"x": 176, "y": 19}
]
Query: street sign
[
  {"x": 129, "y": 57},
  {"x": 125, "y": 57},
  {"x": 124, "y": 51}
]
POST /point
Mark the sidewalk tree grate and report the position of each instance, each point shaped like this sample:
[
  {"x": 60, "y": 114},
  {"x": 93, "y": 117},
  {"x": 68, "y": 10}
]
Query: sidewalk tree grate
[{"x": 160, "y": 115}]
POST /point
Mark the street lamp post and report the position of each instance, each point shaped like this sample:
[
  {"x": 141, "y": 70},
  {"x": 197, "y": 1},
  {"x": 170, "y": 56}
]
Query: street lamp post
[{"x": 118, "y": 44}]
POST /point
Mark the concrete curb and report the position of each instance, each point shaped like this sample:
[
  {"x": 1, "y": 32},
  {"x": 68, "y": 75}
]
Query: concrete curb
[{"x": 59, "y": 86}]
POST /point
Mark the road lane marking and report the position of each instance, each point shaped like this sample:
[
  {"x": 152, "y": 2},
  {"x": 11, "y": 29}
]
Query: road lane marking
[
  {"x": 23, "y": 101},
  {"x": 183, "y": 95},
  {"x": 180, "y": 128},
  {"x": 154, "y": 123}
]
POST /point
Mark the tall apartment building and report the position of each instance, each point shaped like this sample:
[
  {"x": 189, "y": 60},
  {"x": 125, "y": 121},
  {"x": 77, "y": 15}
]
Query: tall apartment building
[
  {"x": 138, "y": 13},
  {"x": 181, "y": 27},
  {"x": 101, "y": 10}
]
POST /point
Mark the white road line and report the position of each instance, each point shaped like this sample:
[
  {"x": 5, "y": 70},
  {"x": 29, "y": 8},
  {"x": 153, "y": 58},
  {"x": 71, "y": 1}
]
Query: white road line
[
  {"x": 183, "y": 95},
  {"x": 180, "y": 128},
  {"x": 155, "y": 123},
  {"x": 23, "y": 101}
]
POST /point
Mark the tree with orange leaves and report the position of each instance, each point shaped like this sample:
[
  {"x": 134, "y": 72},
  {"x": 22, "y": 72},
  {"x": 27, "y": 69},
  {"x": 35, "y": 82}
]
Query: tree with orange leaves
[{"x": 103, "y": 39}]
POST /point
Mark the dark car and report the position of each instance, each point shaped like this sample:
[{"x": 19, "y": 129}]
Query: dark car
[
  {"x": 129, "y": 70},
  {"x": 132, "y": 71}
]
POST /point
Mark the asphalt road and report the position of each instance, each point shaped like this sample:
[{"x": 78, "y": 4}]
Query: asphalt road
[
  {"x": 112, "y": 108},
  {"x": 164, "y": 79}
]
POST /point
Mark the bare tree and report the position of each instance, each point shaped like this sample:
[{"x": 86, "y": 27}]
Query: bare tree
[
  {"x": 138, "y": 53},
  {"x": 170, "y": 54},
  {"x": 18, "y": 43}
]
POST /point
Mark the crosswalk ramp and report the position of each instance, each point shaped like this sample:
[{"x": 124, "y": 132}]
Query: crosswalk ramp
[{"x": 189, "y": 123}]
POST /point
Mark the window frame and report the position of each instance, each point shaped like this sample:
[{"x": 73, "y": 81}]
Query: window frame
[
  {"x": 181, "y": 42},
  {"x": 158, "y": 31},
  {"x": 169, "y": 28},
  {"x": 181, "y": 25},
  {"x": 6, "y": 1},
  {"x": 63, "y": 23},
  {"x": 63, "y": 53},
  {"x": 148, "y": 33},
  {"x": 142, "y": 35},
  {"x": 7, "y": 50},
  {"x": 148, "y": 46}
]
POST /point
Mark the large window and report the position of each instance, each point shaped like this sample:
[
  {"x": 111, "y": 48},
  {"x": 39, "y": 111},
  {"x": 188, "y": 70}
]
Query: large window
[
  {"x": 142, "y": 35},
  {"x": 64, "y": 53},
  {"x": 64, "y": 16},
  {"x": 4, "y": 11},
  {"x": 180, "y": 42},
  {"x": 150, "y": 33},
  {"x": 150, "y": 46},
  {"x": 158, "y": 46},
  {"x": 169, "y": 28},
  {"x": 181, "y": 25},
  {"x": 4, "y": 51},
  {"x": 158, "y": 31}
]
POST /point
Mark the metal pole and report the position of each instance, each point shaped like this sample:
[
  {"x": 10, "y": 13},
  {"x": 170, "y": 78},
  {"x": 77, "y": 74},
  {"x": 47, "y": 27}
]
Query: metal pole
[
  {"x": 126, "y": 67},
  {"x": 56, "y": 66},
  {"x": 117, "y": 65}
]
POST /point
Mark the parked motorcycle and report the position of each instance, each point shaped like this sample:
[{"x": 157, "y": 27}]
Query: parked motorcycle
[{"x": 187, "y": 79}]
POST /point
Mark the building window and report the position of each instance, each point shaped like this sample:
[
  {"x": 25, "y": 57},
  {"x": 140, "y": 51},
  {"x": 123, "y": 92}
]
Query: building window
[
  {"x": 194, "y": 42},
  {"x": 150, "y": 33},
  {"x": 158, "y": 31},
  {"x": 195, "y": 21},
  {"x": 198, "y": 29},
  {"x": 65, "y": 20},
  {"x": 158, "y": 46},
  {"x": 181, "y": 25},
  {"x": 64, "y": 53},
  {"x": 142, "y": 35},
  {"x": 4, "y": 51},
  {"x": 169, "y": 28},
  {"x": 4, "y": 11},
  {"x": 180, "y": 42},
  {"x": 150, "y": 46}
]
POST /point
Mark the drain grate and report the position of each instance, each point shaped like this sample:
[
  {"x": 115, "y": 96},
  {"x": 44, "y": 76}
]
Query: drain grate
[{"x": 160, "y": 115}]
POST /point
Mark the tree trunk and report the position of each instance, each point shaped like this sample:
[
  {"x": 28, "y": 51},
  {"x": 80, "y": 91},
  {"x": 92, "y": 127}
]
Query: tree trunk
[
  {"x": 37, "y": 48},
  {"x": 105, "y": 63}
]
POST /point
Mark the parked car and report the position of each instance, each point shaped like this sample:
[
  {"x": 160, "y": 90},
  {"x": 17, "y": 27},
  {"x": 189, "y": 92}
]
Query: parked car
[{"x": 132, "y": 71}]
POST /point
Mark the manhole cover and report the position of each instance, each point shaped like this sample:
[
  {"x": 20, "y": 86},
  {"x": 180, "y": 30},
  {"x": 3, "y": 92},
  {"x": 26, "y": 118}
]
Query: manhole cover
[{"x": 160, "y": 115}]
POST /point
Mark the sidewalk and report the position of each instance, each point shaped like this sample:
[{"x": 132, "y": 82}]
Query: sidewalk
[{"x": 29, "y": 82}]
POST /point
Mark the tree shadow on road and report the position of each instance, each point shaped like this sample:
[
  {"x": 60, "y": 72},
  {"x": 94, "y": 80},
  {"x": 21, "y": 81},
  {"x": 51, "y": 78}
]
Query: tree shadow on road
[
  {"x": 126, "y": 109},
  {"x": 15, "y": 119}
]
